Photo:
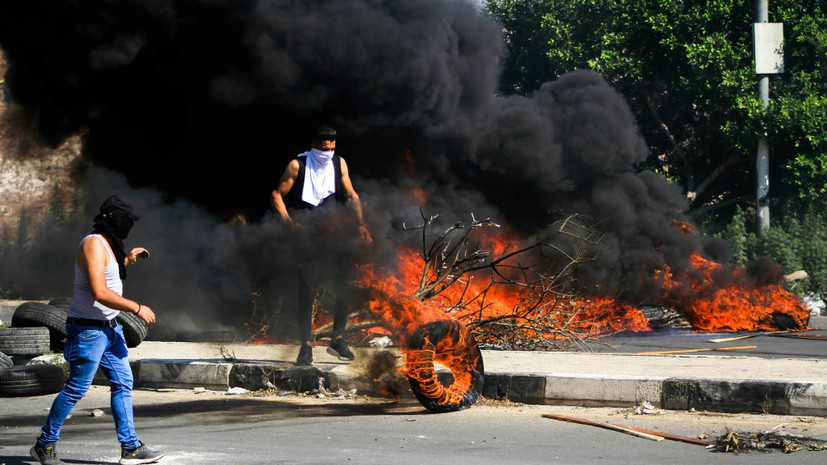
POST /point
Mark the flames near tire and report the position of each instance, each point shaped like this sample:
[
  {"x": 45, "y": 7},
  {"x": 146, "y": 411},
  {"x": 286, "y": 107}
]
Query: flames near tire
[{"x": 451, "y": 344}]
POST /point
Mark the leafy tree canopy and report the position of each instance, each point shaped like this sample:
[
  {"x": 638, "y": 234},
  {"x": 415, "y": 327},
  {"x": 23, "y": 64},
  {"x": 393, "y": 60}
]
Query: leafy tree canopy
[{"x": 687, "y": 70}]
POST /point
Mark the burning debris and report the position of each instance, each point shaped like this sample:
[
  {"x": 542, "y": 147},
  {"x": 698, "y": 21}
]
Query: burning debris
[
  {"x": 715, "y": 297},
  {"x": 449, "y": 343}
]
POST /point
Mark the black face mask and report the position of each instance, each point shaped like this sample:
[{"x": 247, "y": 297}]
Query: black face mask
[{"x": 121, "y": 225}]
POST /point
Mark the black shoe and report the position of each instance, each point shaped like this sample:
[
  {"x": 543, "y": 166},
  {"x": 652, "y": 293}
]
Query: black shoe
[
  {"x": 339, "y": 349},
  {"x": 142, "y": 454},
  {"x": 45, "y": 453},
  {"x": 305, "y": 355}
]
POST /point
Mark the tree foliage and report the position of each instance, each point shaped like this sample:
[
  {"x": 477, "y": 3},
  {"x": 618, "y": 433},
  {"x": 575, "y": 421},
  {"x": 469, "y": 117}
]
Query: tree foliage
[
  {"x": 799, "y": 242},
  {"x": 687, "y": 71}
]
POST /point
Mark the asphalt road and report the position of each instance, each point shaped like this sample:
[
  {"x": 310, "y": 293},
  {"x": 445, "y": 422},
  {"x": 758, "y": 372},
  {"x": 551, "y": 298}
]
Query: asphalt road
[
  {"x": 783, "y": 345},
  {"x": 215, "y": 428}
]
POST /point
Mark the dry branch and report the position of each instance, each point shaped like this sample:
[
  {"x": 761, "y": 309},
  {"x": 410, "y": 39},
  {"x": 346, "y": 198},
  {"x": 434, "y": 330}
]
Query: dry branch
[{"x": 541, "y": 273}]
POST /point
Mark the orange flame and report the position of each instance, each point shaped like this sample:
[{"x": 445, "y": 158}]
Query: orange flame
[
  {"x": 738, "y": 305},
  {"x": 393, "y": 291},
  {"x": 454, "y": 351}
]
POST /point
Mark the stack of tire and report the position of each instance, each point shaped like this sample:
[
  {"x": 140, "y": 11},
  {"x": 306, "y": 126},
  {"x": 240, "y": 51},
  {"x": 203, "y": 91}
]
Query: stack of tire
[{"x": 39, "y": 328}]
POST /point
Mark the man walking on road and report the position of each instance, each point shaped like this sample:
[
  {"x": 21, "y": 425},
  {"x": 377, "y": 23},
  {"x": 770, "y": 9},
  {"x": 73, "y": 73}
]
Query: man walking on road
[
  {"x": 314, "y": 177},
  {"x": 93, "y": 336}
]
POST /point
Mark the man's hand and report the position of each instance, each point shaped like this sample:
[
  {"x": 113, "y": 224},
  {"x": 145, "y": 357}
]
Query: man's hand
[
  {"x": 145, "y": 313},
  {"x": 293, "y": 225},
  {"x": 364, "y": 233},
  {"x": 134, "y": 255}
]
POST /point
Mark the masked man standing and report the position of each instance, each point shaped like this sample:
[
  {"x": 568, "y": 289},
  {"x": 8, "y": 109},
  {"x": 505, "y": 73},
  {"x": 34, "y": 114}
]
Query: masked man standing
[
  {"x": 93, "y": 336},
  {"x": 313, "y": 177}
]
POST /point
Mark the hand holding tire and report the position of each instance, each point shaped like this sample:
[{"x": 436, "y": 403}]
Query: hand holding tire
[{"x": 145, "y": 313}]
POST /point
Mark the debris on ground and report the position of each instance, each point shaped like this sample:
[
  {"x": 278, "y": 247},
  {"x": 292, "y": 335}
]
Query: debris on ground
[
  {"x": 339, "y": 394},
  {"x": 767, "y": 441},
  {"x": 381, "y": 342},
  {"x": 814, "y": 303},
  {"x": 646, "y": 408},
  {"x": 237, "y": 390},
  {"x": 97, "y": 413}
]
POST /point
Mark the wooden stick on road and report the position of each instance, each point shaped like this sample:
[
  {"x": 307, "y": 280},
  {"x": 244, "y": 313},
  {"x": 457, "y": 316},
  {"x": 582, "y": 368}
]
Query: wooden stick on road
[
  {"x": 684, "y": 351},
  {"x": 610, "y": 426},
  {"x": 738, "y": 338},
  {"x": 644, "y": 433},
  {"x": 675, "y": 437}
]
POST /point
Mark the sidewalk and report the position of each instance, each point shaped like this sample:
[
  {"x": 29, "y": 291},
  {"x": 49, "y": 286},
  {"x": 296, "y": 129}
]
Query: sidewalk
[
  {"x": 791, "y": 386},
  {"x": 715, "y": 381}
]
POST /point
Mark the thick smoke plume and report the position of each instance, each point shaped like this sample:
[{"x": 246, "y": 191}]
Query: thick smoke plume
[{"x": 199, "y": 105}]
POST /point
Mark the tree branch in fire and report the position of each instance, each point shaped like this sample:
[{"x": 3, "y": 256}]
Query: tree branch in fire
[{"x": 546, "y": 307}]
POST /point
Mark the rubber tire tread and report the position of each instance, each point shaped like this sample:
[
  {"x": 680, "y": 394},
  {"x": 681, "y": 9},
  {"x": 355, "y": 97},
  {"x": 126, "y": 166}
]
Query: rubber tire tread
[
  {"x": 436, "y": 331},
  {"x": 24, "y": 341},
  {"x": 134, "y": 328},
  {"x": 6, "y": 361},
  {"x": 31, "y": 314},
  {"x": 31, "y": 380}
]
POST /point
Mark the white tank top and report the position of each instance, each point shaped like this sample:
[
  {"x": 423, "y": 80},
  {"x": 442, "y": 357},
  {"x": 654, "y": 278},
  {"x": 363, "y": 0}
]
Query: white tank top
[{"x": 83, "y": 304}]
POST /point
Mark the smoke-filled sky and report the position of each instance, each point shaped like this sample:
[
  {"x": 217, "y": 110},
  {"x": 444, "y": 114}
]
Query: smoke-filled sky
[{"x": 192, "y": 108}]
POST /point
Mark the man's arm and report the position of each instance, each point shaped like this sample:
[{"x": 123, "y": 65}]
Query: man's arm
[
  {"x": 353, "y": 200},
  {"x": 92, "y": 258},
  {"x": 285, "y": 184}
]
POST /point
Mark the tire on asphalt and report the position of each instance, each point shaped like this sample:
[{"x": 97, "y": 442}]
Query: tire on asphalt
[
  {"x": 5, "y": 361},
  {"x": 134, "y": 328},
  {"x": 24, "y": 341},
  {"x": 61, "y": 302},
  {"x": 451, "y": 344},
  {"x": 31, "y": 314},
  {"x": 31, "y": 380}
]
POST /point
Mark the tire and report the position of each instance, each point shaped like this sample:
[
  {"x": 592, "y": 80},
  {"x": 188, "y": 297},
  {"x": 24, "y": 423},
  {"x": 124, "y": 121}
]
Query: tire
[
  {"x": 452, "y": 345},
  {"x": 31, "y": 380},
  {"x": 24, "y": 341},
  {"x": 31, "y": 314},
  {"x": 134, "y": 328},
  {"x": 5, "y": 361},
  {"x": 61, "y": 302}
]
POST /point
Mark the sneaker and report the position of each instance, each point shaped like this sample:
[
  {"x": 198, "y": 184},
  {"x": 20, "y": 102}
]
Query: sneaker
[
  {"x": 339, "y": 349},
  {"x": 45, "y": 453},
  {"x": 142, "y": 454},
  {"x": 305, "y": 355}
]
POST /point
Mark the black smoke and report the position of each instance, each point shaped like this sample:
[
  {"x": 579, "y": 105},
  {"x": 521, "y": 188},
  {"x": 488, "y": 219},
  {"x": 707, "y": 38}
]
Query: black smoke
[{"x": 203, "y": 102}]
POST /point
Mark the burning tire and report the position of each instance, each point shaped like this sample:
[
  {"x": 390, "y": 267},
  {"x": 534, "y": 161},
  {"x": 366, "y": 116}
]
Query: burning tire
[
  {"x": 452, "y": 345},
  {"x": 31, "y": 314}
]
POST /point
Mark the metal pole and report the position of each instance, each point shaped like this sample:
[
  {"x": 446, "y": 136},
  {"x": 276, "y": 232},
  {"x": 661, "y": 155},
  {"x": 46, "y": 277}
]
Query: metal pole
[{"x": 762, "y": 161}]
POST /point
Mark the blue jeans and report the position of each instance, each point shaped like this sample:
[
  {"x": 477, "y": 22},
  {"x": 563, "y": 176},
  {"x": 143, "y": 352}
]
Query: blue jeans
[{"x": 86, "y": 349}]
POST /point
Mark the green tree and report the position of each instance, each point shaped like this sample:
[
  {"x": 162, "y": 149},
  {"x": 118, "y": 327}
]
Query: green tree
[{"x": 687, "y": 71}]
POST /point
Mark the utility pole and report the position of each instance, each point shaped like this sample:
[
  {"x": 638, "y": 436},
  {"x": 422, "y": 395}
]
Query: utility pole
[{"x": 769, "y": 59}]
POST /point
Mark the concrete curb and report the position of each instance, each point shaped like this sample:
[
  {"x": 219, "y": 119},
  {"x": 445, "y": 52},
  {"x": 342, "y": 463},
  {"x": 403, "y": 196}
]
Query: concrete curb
[
  {"x": 721, "y": 395},
  {"x": 673, "y": 393}
]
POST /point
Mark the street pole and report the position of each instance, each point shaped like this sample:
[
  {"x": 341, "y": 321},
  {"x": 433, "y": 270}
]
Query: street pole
[{"x": 762, "y": 161}]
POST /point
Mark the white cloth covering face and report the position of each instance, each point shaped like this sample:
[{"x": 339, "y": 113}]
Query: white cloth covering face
[{"x": 319, "y": 177}]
